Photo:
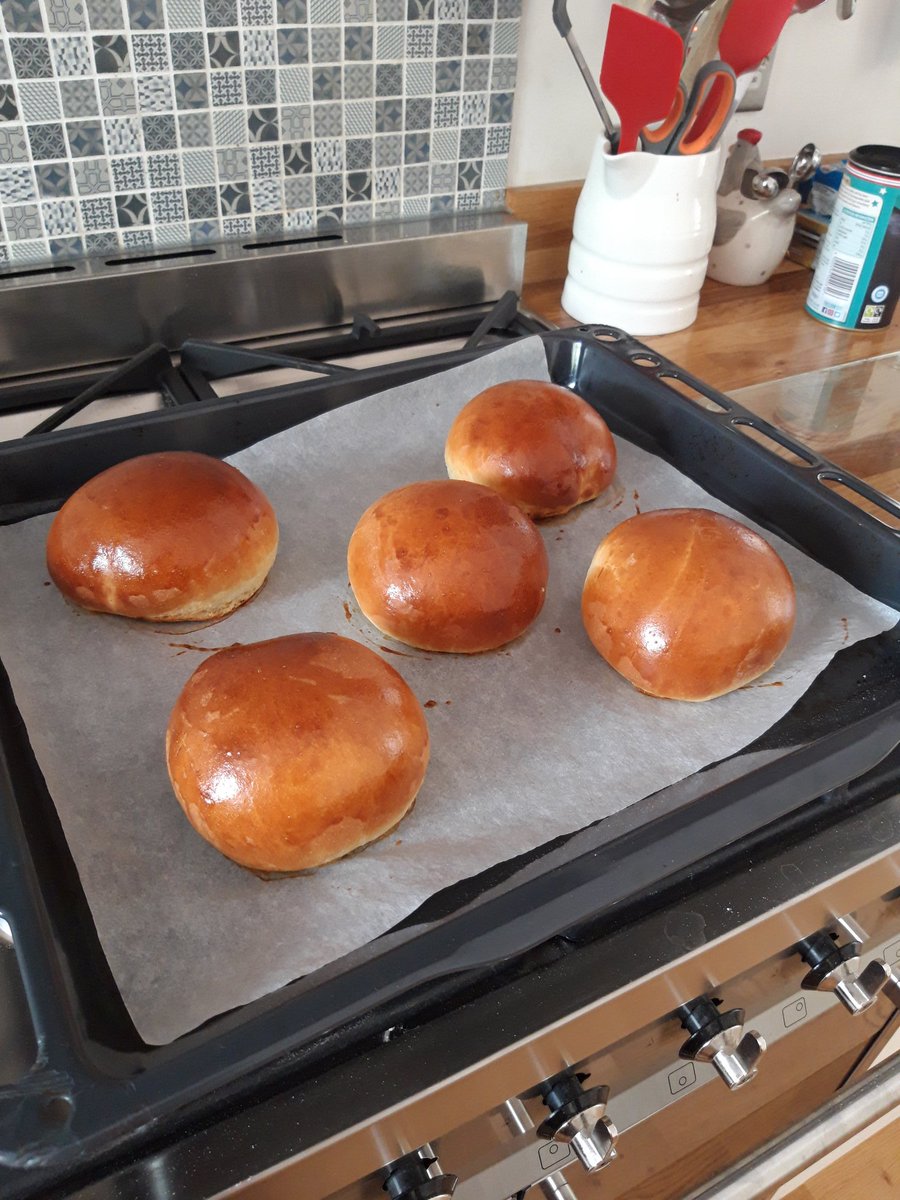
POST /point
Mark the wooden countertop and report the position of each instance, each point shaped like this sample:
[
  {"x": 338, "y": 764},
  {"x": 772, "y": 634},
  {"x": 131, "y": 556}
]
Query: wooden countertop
[{"x": 742, "y": 336}]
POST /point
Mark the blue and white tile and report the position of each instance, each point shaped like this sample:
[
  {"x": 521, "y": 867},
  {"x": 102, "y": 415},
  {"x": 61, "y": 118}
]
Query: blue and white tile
[
  {"x": 160, "y": 132},
  {"x": 46, "y": 141},
  {"x": 224, "y": 47},
  {"x": 498, "y": 139},
  {"x": 387, "y": 183},
  {"x": 123, "y": 136},
  {"x": 154, "y": 93},
  {"x": 388, "y": 149},
  {"x": 292, "y": 46},
  {"x": 476, "y": 74},
  {"x": 202, "y": 203},
  {"x": 226, "y": 88},
  {"x": 164, "y": 170},
  {"x": 474, "y": 109},
  {"x": 359, "y": 43},
  {"x": 420, "y": 40},
  {"x": 232, "y": 163},
  {"x": 97, "y": 213},
  {"x": 36, "y": 250},
  {"x": 188, "y": 50},
  {"x": 229, "y": 126},
  {"x": 326, "y": 44},
  {"x": 199, "y": 167},
  {"x": 117, "y": 95},
  {"x": 328, "y": 155},
  {"x": 445, "y": 145},
  {"x": 261, "y": 86},
  {"x": 450, "y": 10},
  {"x": 299, "y": 191},
  {"x": 185, "y": 14},
  {"x": 390, "y": 10},
  {"x": 72, "y": 55},
  {"x": 267, "y": 194},
  {"x": 31, "y": 57},
  {"x": 67, "y": 247},
  {"x": 359, "y": 118},
  {"x": 265, "y": 161},
  {"x": 195, "y": 131},
  {"x": 506, "y": 37},
  {"x": 359, "y": 81},
  {"x": 443, "y": 177},
  {"x": 494, "y": 176},
  {"x": 150, "y": 52},
  {"x": 39, "y": 100},
  {"x": 145, "y": 14},
  {"x": 415, "y": 206},
  {"x": 66, "y": 16},
  {"x": 257, "y": 12},
  {"x": 106, "y": 14},
  {"x": 171, "y": 235},
  {"x": 325, "y": 12},
  {"x": 128, "y": 173},
  {"x": 102, "y": 242},
  {"x": 220, "y": 13},
  {"x": 415, "y": 180},
  {"x": 294, "y": 85},
  {"x": 234, "y": 197},
  {"x": 296, "y": 122},
  {"x": 191, "y": 89},
  {"x": 299, "y": 220},
  {"x": 85, "y": 138},
  {"x": 419, "y": 78},
  {"x": 9, "y": 107},
  {"x": 390, "y": 42},
  {"x": 262, "y": 124},
  {"x": 79, "y": 97},
  {"x": 259, "y": 47},
  {"x": 387, "y": 210},
  {"x": 132, "y": 209},
  {"x": 111, "y": 54},
  {"x": 60, "y": 218},
  {"x": 358, "y": 12},
  {"x": 91, "y": 176},
  {"x": 22, "y": 16},
  {"x": 237, "y": 228},
  {"x": 358, "y": 213},
  {"x": 503, "y": 74},
  {"x": 329, "y": 190},
  {"x": 17, "y": 185},
  {"x": 446, "y": 112},
  {"x": 137, "y": 239}
]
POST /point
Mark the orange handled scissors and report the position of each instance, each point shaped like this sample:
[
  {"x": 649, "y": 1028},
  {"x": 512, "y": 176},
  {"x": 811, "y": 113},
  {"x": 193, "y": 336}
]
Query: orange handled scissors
[{"x": 695, "y": 125}]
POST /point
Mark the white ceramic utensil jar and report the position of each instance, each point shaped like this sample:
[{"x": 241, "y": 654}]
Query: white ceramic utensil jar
[{"x": 643, "y": 229}]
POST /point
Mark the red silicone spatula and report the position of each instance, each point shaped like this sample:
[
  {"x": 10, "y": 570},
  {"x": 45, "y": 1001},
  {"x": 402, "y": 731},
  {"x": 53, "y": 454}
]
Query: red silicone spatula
[
  {"x": 751, "y": 30},
  {"x": 642, "y": 60}
]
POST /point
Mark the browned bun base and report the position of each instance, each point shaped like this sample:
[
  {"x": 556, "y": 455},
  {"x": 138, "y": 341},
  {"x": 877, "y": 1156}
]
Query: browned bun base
[
  {"x": 539, "y": 445},
  {"x": 174, "y": 536},
  {"x": 687, "y": 604},
  {"x": 294, "y": 752},
  {"x": 448, "y": 566}
]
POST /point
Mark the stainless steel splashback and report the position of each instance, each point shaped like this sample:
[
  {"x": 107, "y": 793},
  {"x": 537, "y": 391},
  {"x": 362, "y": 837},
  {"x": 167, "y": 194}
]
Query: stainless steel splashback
[{"x": 98, "y": 310}]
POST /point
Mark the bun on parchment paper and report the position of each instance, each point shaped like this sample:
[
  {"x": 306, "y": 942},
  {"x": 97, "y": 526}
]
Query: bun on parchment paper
[
  {"x": 537, "y": 444},
  {"x": 290, "y": 753},
  {"x": 174, "y": 536},
  {"x": 687, "y": 604},
  {"x": 448, "y": 566}
]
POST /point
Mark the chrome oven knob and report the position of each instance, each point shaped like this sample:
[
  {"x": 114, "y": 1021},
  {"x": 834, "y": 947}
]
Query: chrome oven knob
[
  {"x": 417, "y": 1176},
  {"x": 577, "y": 1117},
  {"x": 719, "y": 1038},
  {"x": 834, "y": 968}
]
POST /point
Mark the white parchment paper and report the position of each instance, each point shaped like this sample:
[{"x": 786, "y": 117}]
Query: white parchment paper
[{"x": 529, "y": 742}]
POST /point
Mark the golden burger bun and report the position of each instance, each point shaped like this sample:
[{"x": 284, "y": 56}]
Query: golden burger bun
[
  {"x": 448, "y": 566},
  {"x": 174, "y": 536},
  {"x": 687, "y": 604},
  {"x": 539, "y": 445},
  {"x": 290, "y": 753}
]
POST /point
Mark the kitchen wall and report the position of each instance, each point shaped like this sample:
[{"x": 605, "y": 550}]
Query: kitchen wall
[
  {"x": 836, "y": 83},
  {"x": 134, "y": 123}
]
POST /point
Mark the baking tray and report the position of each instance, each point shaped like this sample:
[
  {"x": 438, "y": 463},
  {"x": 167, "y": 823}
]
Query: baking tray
[{"x": 98, "y": 1092}]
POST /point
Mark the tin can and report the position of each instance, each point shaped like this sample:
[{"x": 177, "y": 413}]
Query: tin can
[{"x": 857, "y": 275}]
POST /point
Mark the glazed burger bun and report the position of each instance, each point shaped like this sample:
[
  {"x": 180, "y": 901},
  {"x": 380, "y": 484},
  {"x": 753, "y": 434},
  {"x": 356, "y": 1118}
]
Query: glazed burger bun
[
  {"x": 290, "y": 753},
  {"x": 448, "y": 566},
  {"x": 687, "y": 604},
  {"x": 539, "y": 445},
  {"x": 174, "y": 536}
]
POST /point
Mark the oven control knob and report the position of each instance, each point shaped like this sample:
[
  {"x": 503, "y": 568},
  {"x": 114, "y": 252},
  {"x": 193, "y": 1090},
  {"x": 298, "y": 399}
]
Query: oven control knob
[
  {"x": 719, "y": 1038},
  {"x": 577, "y": 1116},
  {"x": 834, "y": 968},
  {"x": 417, "y": 1176}
]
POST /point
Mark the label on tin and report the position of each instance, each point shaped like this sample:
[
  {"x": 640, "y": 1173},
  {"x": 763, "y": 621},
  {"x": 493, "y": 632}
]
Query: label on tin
[{"x": 844, "y": 253}]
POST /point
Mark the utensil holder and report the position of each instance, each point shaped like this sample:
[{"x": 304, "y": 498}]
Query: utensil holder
[{"x": 643, "y": 229}]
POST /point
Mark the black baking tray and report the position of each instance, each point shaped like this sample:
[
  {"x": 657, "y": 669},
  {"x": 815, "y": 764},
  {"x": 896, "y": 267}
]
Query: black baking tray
[{"x": 97, "y": 1093}]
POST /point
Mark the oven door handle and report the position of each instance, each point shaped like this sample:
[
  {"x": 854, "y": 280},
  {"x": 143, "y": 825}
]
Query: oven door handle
[{"x": 847, "y": 1114}]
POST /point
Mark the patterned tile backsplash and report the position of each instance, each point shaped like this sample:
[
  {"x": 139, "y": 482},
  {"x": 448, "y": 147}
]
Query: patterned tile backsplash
[{"x": 127, "y": 123}]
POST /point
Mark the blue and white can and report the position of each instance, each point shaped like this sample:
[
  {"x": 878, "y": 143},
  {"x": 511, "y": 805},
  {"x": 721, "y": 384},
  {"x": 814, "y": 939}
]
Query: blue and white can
[{"x": 857, "y": 277}]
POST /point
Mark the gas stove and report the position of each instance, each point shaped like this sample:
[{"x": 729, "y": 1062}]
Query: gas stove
[{"x": 703, "y": 983}]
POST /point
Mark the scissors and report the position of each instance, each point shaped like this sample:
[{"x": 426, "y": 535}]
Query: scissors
[{"x": 695, "y": 122}]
